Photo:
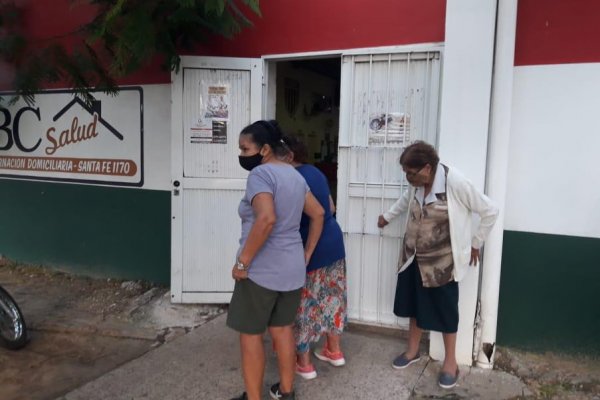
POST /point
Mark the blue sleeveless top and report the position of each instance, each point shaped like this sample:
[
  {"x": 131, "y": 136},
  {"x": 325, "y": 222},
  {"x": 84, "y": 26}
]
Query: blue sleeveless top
[{"x": 330, "y": 247}]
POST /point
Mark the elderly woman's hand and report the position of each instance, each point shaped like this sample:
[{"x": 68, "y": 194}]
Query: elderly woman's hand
[
  {"x": 381, "y": 222},
  {"x": 474, "y": 256},
  {"x": 239, "y": 274}
]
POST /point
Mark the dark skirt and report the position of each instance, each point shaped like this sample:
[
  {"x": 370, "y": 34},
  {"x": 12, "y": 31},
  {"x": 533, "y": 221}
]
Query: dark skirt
[{"x": 435, "y": 309}]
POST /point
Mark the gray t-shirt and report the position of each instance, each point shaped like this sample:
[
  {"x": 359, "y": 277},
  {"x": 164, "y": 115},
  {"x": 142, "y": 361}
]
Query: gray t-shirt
[{"x": 279, "y": 264}]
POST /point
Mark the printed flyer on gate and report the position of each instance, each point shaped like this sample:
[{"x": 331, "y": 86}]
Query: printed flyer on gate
[{"x": 61, "y": 137}]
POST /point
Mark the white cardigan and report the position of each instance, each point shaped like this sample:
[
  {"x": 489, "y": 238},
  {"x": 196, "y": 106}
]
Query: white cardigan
[{"x": 463, "y": 200}]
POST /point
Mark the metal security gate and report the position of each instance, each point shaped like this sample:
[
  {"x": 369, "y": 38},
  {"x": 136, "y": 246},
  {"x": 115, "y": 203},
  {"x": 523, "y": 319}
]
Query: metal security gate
[
  {"x": 387, "y": 101},
  {"x": 213, "y": 99}
]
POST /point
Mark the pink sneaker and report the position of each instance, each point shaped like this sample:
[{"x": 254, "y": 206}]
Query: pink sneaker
[
  {"x": 307, "y": 372},
  {"x": 335, "y": 359}
]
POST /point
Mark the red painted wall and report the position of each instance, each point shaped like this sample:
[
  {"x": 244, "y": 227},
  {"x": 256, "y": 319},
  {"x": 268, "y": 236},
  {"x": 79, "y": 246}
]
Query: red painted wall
[
  {"x": 557, "y": 32},
  {"x": 48, "y": 20},
  {"x": 290, "y": 26},
  {"x": 286, "y": 26},
  {"x": 56, "y": 20}
]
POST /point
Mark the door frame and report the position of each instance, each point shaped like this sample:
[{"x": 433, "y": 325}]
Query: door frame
[{"x": 255, "y": 66}]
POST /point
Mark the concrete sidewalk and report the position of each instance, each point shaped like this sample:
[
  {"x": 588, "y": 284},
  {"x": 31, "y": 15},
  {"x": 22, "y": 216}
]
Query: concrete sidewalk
[{"x": 205, "y": 364}]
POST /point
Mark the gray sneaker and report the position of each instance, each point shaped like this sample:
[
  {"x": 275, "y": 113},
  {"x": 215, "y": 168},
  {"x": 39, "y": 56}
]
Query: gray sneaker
[
  {"x": 447, "y": 381},
  {"x": 402, "y": 361}
]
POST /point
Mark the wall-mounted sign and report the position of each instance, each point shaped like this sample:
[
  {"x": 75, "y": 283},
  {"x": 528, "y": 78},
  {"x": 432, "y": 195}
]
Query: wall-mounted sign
[{"x": 62, "y": 138}]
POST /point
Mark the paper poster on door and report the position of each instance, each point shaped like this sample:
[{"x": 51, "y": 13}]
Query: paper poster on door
[
  {"x": 219, "y": 132},
  {"x": 210, "y": 125},
  {"x": 389, "y": 129},
  {"x": 213, "y": 131},
  {"x": 217, "y": 102}
]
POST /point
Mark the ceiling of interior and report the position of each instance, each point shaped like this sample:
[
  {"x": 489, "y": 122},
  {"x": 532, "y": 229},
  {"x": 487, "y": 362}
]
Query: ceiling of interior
[{"x": 330, "y": 67}]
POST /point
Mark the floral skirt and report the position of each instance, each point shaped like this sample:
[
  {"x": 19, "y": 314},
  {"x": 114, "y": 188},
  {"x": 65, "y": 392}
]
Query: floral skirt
[{"x": 322, "y": 305}]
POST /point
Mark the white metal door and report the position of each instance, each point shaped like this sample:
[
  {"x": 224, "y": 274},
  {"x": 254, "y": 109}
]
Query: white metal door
[
  {"x": 213, "y": 99},
  {"x": 387, "y": 101}
]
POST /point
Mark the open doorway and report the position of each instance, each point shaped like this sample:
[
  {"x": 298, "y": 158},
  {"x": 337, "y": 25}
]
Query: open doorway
[
  {"x": 386, "y": 100},
  {"x": 307, "y": 105}
]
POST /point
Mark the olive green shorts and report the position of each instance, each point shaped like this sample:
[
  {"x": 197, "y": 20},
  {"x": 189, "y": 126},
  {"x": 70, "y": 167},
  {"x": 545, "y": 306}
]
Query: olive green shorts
[{"x": 253, "y": 308}]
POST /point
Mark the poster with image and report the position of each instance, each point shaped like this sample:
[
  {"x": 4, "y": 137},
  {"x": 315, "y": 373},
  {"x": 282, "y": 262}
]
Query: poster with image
[
  {"x": 391, "y": 129},
  {"x": 217, "y": 102},
  {"x": 210, "y": 125}
]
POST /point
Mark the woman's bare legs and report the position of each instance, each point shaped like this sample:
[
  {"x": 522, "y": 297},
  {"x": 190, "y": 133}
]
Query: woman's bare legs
[
  {"x": 283, "y": 336},
  {"x": 333, "y": 343},
  {"x": 303, "y": 359},
  {"x": 414, "y": 339},
  {"x": 253, "y": 364},
  {"x": 450, "y": 364}
]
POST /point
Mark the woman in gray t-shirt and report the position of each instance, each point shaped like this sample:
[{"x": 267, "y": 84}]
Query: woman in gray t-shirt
[{"x": 271, "y": 261}]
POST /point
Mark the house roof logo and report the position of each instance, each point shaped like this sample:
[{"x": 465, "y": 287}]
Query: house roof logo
[{"x": 96, "y": 108}]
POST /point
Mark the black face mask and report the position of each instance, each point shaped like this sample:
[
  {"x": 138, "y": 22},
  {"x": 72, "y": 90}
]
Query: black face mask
[{"x": 250, "y": 162}]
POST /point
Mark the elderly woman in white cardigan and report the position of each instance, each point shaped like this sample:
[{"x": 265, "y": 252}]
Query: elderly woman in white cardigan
[{"x": 437, "y": 249}]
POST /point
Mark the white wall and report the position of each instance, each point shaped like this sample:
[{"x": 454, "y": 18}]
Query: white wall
[
  {"x": 554, "y": 169},
  {"x": 465, "y": 106},
  {"x": 157, "y": 137},
  {"x": 467, "y": 81}
]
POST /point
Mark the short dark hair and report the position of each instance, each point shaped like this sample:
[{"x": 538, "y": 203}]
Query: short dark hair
[
  {"x": 298, "y": 148},
  {"x": 267, "y": 132},
  {"x": 419, "y": 154}
]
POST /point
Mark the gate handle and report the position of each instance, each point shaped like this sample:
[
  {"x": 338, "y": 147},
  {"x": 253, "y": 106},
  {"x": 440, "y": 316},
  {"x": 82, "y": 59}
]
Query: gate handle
[{"x": 176, "y": 183}]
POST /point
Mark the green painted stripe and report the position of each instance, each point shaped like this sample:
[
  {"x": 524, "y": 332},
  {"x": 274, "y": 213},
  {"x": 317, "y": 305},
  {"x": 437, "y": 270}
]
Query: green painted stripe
[
  {"x": 90, "y": 230},
  {"x": 550, "y": 293}
]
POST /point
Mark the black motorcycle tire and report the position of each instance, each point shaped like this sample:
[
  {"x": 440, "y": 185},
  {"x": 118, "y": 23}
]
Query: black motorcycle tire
[{"x": 13, "y": 331}]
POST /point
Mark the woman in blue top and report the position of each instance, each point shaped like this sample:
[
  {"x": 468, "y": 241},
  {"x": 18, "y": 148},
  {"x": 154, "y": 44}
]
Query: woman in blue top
[
  {"x": 270, "y": 267},
  {"x": 323, "y": 303}
]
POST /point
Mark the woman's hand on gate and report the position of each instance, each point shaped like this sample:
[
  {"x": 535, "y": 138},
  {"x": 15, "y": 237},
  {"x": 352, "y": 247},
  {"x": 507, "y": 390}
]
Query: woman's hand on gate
[
  {"x": 381, "y": 222},
  {"x": 474, "y": 256}
]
